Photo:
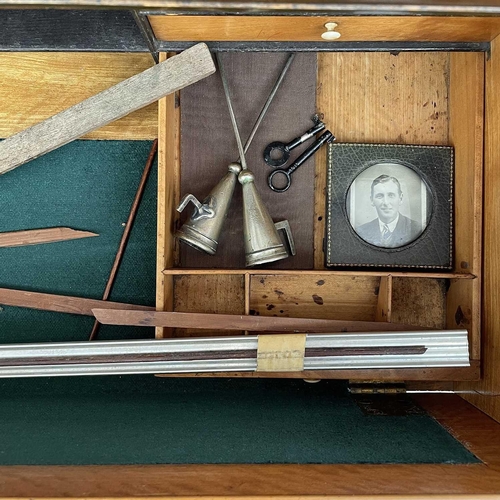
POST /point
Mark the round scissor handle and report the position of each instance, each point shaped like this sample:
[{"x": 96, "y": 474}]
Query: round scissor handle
[
  {"x": 271, "y": 176},
  {"x": 273, "y": 148}
]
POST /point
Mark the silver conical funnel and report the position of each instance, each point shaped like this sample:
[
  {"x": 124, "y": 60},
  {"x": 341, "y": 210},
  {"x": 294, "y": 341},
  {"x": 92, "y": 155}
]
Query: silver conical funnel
[
  {"x": 202, "y": 230},
  {"x": 262, "y": 241}
]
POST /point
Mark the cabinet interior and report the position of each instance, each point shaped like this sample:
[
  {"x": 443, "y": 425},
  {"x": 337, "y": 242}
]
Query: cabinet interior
[{"x": 424, "y": 98}]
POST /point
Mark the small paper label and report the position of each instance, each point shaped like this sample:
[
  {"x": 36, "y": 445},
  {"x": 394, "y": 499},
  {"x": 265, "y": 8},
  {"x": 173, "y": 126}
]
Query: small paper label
[{"x": 281, "y": 353}]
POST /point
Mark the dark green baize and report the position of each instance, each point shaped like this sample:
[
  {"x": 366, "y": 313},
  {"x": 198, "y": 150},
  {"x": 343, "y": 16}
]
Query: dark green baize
[{"x": 90, "y": 185}]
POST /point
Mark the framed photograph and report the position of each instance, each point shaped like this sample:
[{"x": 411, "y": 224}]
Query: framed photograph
[{"x": 389, "y": 206}]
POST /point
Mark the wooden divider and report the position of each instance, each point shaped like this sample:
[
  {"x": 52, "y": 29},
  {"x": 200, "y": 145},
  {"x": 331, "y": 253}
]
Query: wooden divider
[
  {"x": 486, "y": 393},
  {"x": 169, "y": 143}
]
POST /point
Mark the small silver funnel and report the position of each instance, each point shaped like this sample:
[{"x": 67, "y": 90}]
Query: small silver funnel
[
  {"x": 202, "y": 230},
  {"x": 262, "y": 241}
]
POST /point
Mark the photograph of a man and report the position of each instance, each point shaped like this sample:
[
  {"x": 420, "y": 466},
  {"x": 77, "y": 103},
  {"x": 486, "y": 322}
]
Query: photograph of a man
[
  {"x": 388, "y": 205},
  {"x": 391, "y": 228}
]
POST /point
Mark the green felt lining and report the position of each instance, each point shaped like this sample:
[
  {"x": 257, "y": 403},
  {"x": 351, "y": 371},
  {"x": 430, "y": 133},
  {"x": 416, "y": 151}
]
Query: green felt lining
[{"x": 90, "y": 185}]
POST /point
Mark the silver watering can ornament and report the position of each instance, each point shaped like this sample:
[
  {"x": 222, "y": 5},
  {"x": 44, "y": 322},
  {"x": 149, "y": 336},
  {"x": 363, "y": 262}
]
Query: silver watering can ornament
[
  {"x": 262, "y": 240},
  {"x": 202, "y": 230}
]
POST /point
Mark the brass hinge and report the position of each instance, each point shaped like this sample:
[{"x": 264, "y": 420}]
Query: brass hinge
[{"x": 376, "y": 387}]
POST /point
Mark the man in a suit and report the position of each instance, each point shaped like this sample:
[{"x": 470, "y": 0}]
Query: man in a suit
[{"x": 390, "y": 229}]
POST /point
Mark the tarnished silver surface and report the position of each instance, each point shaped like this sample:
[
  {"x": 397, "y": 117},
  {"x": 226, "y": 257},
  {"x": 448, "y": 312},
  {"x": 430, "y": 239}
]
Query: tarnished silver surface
[
  {"x": 202, "y": 230},
  {"x": 445, "y": 348},
  {"x": 262, "y": 241}
]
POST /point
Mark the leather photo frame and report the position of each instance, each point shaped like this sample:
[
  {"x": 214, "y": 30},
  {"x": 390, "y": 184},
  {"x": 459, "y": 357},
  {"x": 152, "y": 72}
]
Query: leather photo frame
[{"x": 389, "y": 206}]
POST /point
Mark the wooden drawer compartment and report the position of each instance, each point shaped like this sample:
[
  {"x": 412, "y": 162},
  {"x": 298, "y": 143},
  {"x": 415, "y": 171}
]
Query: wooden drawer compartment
[
  {"x": 409, "y": 98},
  {"x": 351, "y": 29}
]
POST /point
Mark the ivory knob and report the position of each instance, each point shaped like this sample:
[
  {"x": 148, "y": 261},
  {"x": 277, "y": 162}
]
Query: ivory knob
[{"x": 330, "y": 33}]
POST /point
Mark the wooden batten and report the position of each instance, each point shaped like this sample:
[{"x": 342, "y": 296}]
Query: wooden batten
[
  {"x": 466, "y": 111},
  {"x": 169, "y": 143},
  {"x": 486, "y": 393}
]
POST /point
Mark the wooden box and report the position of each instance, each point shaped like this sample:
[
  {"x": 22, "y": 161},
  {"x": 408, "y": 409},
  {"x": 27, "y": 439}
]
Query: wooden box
[
  {"x": 423, "y": 98},
  {"x": 447, "y": 97}
]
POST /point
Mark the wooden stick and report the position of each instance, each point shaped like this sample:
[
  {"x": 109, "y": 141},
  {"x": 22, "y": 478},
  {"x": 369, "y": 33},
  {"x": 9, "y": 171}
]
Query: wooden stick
[
  {"x": 134, "y": 93},
  {"x": 235, "y": 322},
  {"x": 39, "y": 236},
  {"x": 126, "y": 232},
  {"x": 59, "y": 303}
]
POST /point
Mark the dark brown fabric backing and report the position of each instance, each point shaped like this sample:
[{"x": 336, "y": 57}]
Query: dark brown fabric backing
[{"x": 209, "y": 145}]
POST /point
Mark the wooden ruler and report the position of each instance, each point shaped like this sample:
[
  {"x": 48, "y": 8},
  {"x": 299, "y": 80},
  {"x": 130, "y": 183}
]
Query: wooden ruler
[
  {"x": 134, "y": 93},
  {"x": 39, "y": 236},
  {"x": 59, "y": 303},
  {"x": 110, "y": 316}
]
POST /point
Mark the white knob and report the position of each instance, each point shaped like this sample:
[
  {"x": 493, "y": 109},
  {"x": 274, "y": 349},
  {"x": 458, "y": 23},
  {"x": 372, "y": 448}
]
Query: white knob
[{"x": 330, "y": 34}]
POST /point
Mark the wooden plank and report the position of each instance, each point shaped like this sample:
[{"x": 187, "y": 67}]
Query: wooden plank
[
  {"x": 310, "y": 28},
  {"x": 39, "y": 236},
  {"x": 60, "y": 303},
  {"x": 169, "y": 137},
  {"x": 405, "y": 102},
  {"x": 38, "y": 85},
  {"x": 422, "y": 300},
  {"x": 486, "y": 394},
  {"x": 213, "y": 294},
  {"x": 475, "y": 430},
  {"x": 109, "y": 105},
  {"x": 466, "y": 136},
  {"x": 240, "y": 322},
  {"x": 400, "y": 374},
  {"x": 384, "y": 303},
  {"x": 315, "y": 296}
]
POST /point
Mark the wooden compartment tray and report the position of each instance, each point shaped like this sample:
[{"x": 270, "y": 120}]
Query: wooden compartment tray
[{"x": 432, "y": 98}]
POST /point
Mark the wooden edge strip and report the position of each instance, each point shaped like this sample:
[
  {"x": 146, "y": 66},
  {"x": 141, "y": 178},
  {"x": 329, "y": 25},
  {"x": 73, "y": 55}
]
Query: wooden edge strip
[
  {"x": 60, "y": 303},
  {"x": 40, "y": 236},
  {"x": 308, "y": 272},
  {"x": 110, "y": 316}
]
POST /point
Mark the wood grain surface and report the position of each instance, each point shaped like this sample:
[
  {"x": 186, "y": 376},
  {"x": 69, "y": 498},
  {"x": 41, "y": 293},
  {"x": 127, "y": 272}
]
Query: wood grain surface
[
  {"x": 111, "y": 104},
  {"x": 419, "y": 299},
  {"x": 214, "y": 294},
  {"x": 315, "y": 296},
  {"x": 37, "y": 85},
  {"x": 486, "y": 393},
  {"x": 202, "y": 321},
  {"x": 396, "y": 374},
  {"x": 467, "y": 75},
  {"x": 310, "y": 28},
  {"x": 59, "y": 303},
  {"x": 480, "y": 434},
  {"x": 169, "y": 147},
  {"x": 39, "y": 236}
]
